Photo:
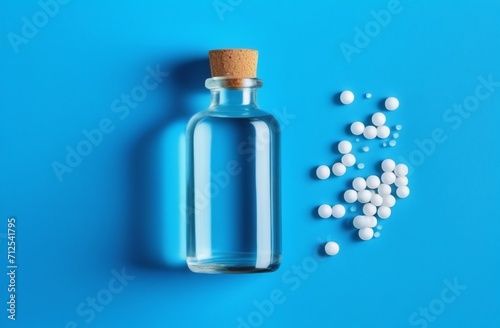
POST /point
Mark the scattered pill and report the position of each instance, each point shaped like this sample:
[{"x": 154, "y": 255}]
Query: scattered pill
[
  {"x": 353, "y": 208},
  {"x": 365, "y": 233},
  {"x": 366, "y": 149},
  {"x": 373, "y": 182},
  {"x": 361, "y": 166},
  {"x": 346, "y": 97},
  {"x": 359, "y": 184},
  {"x": 399, "y": 127},
  {"x": 371, "y": 221},
  {"x": 384, "y": 144},
  {"x": 376, "y": 200},
  {"x": 388, "y": 165},
  {"x": 395, "y": 135},
  {"x": 323, "y": 172},
  {"x": 350, "y": 196},
  {"x": 378, "y": 119},
  {"x": 384, "y": 189},
  {"x": 348, "y": 160},
  {"x": 379, "y": 227},
  {"x": 389, "y": 200},
  {"x": 388, "y": 178},
  {"x": 364, "y": 196},
  {"x": 384, "y": 212},
  {"x": 357, "y": 139},
  {"x": 325, "y": 211},
  {"x": 338, "y": 169},
  {"x": 338, "y": 211},
  {"x": 392, "y": 143},
  {"x": 357, "y": 128},
  {"x": 368, "y": 95},
  {"x": 376, "y": 234},
  {"x": 359, "y": 222},
  {"x": 403, "y": 191},
  {"x": 370, "y": 132},
  {"x": 344, "y": 147},
  {"x": 383, "y": 131},
  {"x": 401, "y": 170},
  {"x": 391, "y": 103},
  {"x": 369, "y": 209},
  {"x": 401, "y": 181},
  {"x": 332, "y": 248}
]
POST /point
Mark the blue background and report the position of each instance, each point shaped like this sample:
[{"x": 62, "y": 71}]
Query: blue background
[{"x": 103, "y": 216}]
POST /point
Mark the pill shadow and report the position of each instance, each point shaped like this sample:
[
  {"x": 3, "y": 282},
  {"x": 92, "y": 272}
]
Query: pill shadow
[
  {"x": 336, "y": 99},
  {"x": 158, "y": 172}
]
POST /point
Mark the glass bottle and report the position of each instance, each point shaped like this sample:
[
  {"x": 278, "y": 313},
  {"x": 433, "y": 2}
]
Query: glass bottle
[{"x": 233, "y": 199}]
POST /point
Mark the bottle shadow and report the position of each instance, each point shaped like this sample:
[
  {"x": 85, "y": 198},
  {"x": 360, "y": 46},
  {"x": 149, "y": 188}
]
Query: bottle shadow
[{"x": 158, "y": 174}]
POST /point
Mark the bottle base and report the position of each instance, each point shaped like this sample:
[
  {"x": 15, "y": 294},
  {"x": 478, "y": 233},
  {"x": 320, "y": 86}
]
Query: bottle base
[{"x": 212, "y": 266}]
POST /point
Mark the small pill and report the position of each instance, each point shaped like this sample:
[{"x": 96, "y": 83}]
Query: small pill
[
  {"x": 338, "y": 169},
  {"x": 369, "y": 209},
  {"x": 364, "y": 196},
  {"x": 384, "y": 189},
  {"x": 359, "y": 184},
  {"x": 346, "y": 97},
  {"x": 376, "y": 200},
  {"x": 332, "y": 248},
  {"x": 401, "y": 181},
  {"x": 323, "y": 172},
  {"x": 365, "y": 233},
  {"x": 373, "y": 182},
  {"x": 357, "y": 128},
  {"x": 344, "y": 147},
  {"x": 350, "y": 196},
  {"x": 389, "y": 200},
  {"x": 383, "y": 131},
  {"x": 388, "y": 178},
  {"x": 403, "y": 191},
  {"x": 401, "y": 170},
  {"x": 391, "y": 103},
  {"x": 325, "y": 211},
  {"x": 338, "y": 211},
  {"x": 388, "y": 165},
  {"x": 370, "y": 132},
  {"x": 378, "y": 119},
  {"x": 384, "y": 212},
  {"x": 348, "y": 160}
]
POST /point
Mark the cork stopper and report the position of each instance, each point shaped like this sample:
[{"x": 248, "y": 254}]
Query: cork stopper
[{"x": 233, "y": 63}]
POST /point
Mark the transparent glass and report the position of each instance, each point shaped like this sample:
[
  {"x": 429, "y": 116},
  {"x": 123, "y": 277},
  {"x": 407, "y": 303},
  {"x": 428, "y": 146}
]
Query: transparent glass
[{"x": 233, "y": 196}]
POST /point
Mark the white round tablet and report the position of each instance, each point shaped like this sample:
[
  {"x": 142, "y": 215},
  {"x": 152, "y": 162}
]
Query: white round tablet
[
  {"x": 389, "y": 200},
  {"x": 338, "y": 169},
  {"x": 332, "y": 248},
  {"x": 383, "y": 131},
  {"x": 348, "y": 160},
  {"x": 346, "y": 97},
  {"x": 388, "y": 165},
  {"x": 369, "y": 209},
  {"x": 323, "y": 172},
  {"x": 376, "y": 200},
  {"x": 359, "y": 183},
  {"x": 364, "y": 196},
  {"x": 378, "y": 119},
  {"x": 384, "y": 212},
  {"x": 401, "y": 170},
  {"x": 325, "y": 211},
  {"x": 388, "y": 178},
  {"x": 373, "y": 182},
  {"x": 338, "y": 211},
  {"x": 370, "y": 132},
  {"x": 391, "y": 103},
  {"x": 344, "y": 147},
  {"x": 365, "y": 233},
  {"x": 357, "y": 128},
  {"x": 350, "y": 196},
  {"x": 384, "y": 189},
  {"x": 403, "y": 191}
]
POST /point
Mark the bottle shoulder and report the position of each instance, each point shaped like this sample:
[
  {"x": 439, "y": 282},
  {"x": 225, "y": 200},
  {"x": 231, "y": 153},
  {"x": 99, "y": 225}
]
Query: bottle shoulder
[{"x": 253, "y": 115}]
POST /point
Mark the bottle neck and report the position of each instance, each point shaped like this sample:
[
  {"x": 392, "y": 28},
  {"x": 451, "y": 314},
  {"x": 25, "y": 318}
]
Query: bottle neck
[{"x": 233, "y": 94}]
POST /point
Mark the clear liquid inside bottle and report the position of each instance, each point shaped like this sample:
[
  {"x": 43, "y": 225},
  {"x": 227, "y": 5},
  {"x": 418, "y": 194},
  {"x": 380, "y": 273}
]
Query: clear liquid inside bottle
[{"x": 233, "y": 203}]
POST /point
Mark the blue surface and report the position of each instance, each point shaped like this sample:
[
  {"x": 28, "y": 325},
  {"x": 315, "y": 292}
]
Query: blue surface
[{"x": 75, "y": 236}]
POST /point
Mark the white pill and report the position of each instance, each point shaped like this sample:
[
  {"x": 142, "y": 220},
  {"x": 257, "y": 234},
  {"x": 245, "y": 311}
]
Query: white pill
[
  {"x": 373, "y": 182},
  {"x": 368, "y": 95},
  {"x": 388, "y": 178},
  {"x": 346, "y": 97},
  {"x": 332, "y": 248},
  {"x": 370, "y": 221},
  {"x": 403, "y": 191},
  {"x": 348, "y": 160},
  {"x": 370, "y": 132},
  {"x": 323, "y": 172},
  {"x": 383, "y": 131},
  {"x": 357, "y": 128},
  {"x": 364, "y": 196},
  {"x": 350, "y": 196},
  {"x": 389, "y": 200},
  {"x": 359, "y": 184},
  {"x": 344, "y": 147},
  {"x": 376, "y": 200},
  {"x": 365, "y": 233},
  {"x": 388, "y": 165},
  {"x": 359, "y": 222},
  {"x": 384, "y": 212},
  {"x": 401, "y": 181},
  {"x": 384, "y": 189},
  {"x": 338, "y": 211},
  {"x": 401, "y": 170},
  {"x": 338, "y": 169},
  {"x": 361, "y": 166},
  {"x": 378, "y": 119},
  {"x": 325, "y": 211},
  {"x": 369, "y": 209},
  {"x": 392, "y": 103},
  {"x": 392, "y": 143}
]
